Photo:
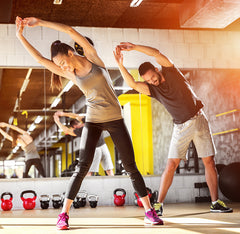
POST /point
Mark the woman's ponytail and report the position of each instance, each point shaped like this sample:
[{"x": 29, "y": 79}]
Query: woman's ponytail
[
  {"x": 58, "y": 47},
  {"x": 56, "y": 82}
]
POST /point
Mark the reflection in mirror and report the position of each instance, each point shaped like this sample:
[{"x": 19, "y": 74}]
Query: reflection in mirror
[{"x": 26, "y": 102}]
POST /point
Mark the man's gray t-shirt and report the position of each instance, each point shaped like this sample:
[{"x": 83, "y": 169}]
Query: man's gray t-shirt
[{"x": 176, "y": 95}]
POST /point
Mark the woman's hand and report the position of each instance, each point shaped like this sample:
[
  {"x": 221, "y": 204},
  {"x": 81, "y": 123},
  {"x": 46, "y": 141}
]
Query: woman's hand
[
  {"x": 19, "y": 26},
  {"x": 127, "y": 46},
  {"x": 31, "y": 22},
  {"x": 118, "y": 55}
]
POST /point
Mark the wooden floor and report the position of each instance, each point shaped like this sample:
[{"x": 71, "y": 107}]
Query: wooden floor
[{"x": 178, "y": 218}]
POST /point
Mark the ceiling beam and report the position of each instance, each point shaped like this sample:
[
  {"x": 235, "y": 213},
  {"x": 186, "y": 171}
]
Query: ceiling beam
[{"x": 208, "y": 13}]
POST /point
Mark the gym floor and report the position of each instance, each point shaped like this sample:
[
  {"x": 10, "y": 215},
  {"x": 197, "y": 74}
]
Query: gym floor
[{"x": 178, "y": 218}]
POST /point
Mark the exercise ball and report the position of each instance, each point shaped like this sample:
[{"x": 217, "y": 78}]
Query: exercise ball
[{"x": 229, "y": 181}]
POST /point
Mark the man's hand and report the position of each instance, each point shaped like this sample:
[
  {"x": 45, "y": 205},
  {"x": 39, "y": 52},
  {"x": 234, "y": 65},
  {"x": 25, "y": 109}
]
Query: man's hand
[
  {"x": 118, "y": 55},
  {"x": 31, "y": 21},
  {"x": 126, "y": 46}
]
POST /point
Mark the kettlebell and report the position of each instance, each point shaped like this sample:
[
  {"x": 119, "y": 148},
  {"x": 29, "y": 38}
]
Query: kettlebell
[
  {"x": 93, "y": 199},
  {"x": 154, "y": 197},
  {"x": 56, "y": 201},
  {"x": 44, "y": 201},
  {"x": 77, "y": 201},
  {"x": 82, "y": 198},
  {"x": 29, "y": 203},
  {"x": 6, "y": 203},
  {"x": 138, "y": 200},
  {"x": 119, "y": 199}
]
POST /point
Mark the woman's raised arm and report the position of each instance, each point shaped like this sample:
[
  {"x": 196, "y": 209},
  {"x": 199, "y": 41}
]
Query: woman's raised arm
[
  {"x": 34, "y": 52},
  {"x": 89, "y": 51}
]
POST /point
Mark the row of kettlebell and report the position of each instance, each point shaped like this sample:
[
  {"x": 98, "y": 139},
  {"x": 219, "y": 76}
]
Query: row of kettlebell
[
  {"x": 29, "y": 203},
  {"x": 79, "y": 201}
]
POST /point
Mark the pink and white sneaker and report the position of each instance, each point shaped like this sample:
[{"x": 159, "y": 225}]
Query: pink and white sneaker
[
  {"x": 62, "y": 223},
  {"x": 152, "y": 218}
]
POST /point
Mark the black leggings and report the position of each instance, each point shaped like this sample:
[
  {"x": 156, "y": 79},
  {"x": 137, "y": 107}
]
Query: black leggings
[
  {"x": 37, "y": 163},
  {"x": 120, "y": 136}
]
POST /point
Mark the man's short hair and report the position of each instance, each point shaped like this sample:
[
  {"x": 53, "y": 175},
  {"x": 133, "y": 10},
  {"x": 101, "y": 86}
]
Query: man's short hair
[
  {"x": 144, "y": 67},
  {"x": 74, "y": 122}
]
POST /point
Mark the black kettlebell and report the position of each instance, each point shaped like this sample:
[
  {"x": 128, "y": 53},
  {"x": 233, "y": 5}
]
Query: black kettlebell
[
  {"x": 82, "y": 198},
  {"x": 56, "y": 201},
  {"x": 154, "y": 197},
  {"x": 93, "y": 200},
  {"x": 44, "y": 201},
  {"x": 77, "y": 201}
]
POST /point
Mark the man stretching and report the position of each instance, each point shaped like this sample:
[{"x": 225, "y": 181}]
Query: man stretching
[{"x": 170, "y": 88}]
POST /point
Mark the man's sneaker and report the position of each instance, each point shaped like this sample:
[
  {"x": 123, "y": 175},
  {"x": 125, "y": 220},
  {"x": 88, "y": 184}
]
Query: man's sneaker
[
  {"x": 220, "y": 207},
  {"x": 158, "y": 208},
  {"x": 62, "y": 223},
  {"x": 152, "y": 218}
]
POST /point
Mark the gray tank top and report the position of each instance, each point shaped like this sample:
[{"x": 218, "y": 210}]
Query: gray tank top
[
  {"x": 101, "y": 100},
  {"x": 30, "y": 151}
]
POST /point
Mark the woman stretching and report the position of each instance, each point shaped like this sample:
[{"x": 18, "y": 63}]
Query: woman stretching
[
  {"x": 19, "y": 136},
  {"x": 88, "y": 72}
]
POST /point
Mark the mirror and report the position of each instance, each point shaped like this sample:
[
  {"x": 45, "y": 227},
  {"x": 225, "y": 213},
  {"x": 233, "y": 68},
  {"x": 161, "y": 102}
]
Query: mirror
[{"x": 27, "y": 101}]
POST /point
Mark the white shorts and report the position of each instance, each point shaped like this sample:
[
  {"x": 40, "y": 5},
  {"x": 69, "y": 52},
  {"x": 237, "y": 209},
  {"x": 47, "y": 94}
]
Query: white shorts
[
  {"x": 102, "y": 155},
  {"x": 196, "y": 129}
]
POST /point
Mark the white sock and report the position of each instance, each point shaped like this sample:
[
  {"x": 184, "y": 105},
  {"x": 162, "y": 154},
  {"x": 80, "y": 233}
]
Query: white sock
[
  {"x": 148, "y": 210},
  {"x": 160, "y": 203},
  {"x": 214, "y": 202}
]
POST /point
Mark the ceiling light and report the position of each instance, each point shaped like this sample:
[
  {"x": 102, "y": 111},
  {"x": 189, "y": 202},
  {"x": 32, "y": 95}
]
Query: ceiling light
[
  {"x": 24, "y": 86},
  {"x": 121, "y": 88},
  {"x": 32, "y": 127},
  {"x": 57, "y": 2},
  {"x": 55, "y": 102},
  {"x": 38, "y": 119},
  {"x": 9, "y": 157},
  {"x": 135, "y": 3},
  {"x": 15, "y": 149},
  {"x": 53, "y": 136},
  {"x": 10, "y": 120},
  {"x": 68, "y": 86},
  {"x": 25, "y": 83}
]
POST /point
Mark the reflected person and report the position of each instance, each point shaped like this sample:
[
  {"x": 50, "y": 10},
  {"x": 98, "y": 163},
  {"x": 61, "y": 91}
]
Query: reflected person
[
  {"x": 19, "y": 136},
  {"x": 101, "y": 154}
]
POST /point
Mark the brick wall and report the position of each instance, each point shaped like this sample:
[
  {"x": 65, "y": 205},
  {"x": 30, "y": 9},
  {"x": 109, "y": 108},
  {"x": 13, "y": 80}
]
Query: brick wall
[{"x": 187, "y": 48}]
